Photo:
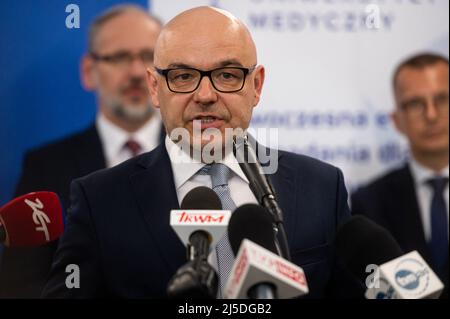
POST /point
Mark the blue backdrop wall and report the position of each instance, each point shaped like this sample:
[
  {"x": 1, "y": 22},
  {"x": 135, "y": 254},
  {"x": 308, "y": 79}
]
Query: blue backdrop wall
[{"x": 41, "y": 97}]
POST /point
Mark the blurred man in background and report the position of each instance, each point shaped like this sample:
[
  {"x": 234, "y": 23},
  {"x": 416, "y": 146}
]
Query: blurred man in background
[
  {"x": 120, "y": 49},
  {"x": 412, "y": 202}
]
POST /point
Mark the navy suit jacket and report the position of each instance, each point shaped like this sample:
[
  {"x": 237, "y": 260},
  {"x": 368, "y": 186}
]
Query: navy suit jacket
[
  {"x": 118, "y": 230},
  {"x": 391, "y": 202}
]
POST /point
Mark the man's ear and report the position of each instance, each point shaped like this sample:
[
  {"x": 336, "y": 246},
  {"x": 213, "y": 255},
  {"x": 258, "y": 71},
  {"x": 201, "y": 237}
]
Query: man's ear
[
  {"x": 152, "y": 85},
  {"x": 258, "y": 82},
  {"x": 396, "y": 117},
  {"x": 88, "y": 78}
]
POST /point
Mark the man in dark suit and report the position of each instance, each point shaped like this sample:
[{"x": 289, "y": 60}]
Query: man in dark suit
[
  {"x": 121, "y": 45},
  {"x": 118, "y": 234},
  {"x": 412, "y": 201}
]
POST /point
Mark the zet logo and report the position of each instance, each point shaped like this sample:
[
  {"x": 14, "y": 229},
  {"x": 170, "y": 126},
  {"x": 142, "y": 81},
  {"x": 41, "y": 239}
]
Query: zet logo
[{"x": 412, "y": 275}]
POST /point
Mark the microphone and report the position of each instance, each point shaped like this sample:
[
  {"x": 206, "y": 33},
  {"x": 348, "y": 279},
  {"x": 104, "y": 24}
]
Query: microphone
[
  {"x": 261, "y": 188},
  {"x": 31, "y": 220},
  {"x": 200, "y": 223},
  {"x": 364, "y": 245},
  {"x": 258, "y": 272},
  {"x": 201, "y": 211}
]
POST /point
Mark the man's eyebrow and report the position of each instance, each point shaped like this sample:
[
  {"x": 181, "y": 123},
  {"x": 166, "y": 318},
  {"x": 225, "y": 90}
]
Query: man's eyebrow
[
  {"x": 178, "y": 65},
  {"x": 224, "y": 63}
]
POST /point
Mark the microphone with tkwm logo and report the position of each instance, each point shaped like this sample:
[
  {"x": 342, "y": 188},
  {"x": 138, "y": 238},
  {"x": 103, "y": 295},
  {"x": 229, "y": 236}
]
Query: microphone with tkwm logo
[
  {"x": 31, "y": 220},
  {"x": 200, "y": 224}
]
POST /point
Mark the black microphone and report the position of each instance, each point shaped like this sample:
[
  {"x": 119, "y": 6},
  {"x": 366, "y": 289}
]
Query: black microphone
[
  {"x": 258, "y": 271},
  {"x": 206, "y": 199},
  {"x": 361, "y": 242},
  {"x": 261, "y": 188},
  {"x": 263, "y": 280},
  {"x": 197, "y": 278},
  {"x": 253, "y": 222}
]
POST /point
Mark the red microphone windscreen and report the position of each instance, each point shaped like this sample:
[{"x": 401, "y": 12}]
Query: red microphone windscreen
[{"x": 33, "y": 219}]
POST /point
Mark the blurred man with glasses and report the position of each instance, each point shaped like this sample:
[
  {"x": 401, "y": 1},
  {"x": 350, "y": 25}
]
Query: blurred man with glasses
[
  {"x": 412, "y": 201},
  {"x": 121, "y": 42}
]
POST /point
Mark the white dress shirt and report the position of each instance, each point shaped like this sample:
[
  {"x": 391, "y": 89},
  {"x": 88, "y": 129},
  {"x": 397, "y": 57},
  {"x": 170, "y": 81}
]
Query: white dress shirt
[
  {"x": 184, "y": 170},
  {"x": 185, "y": 175},
  {"x": 424, "y": 192},
  {"x": 113, "y": 138}
]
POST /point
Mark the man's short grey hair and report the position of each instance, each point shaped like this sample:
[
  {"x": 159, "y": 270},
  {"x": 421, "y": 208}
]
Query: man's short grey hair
[{"x": 111, "y": 13}]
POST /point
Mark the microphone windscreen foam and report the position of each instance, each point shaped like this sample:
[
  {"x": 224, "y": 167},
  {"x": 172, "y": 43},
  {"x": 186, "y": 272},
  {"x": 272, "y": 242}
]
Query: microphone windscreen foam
[
  {"x": 360, "y": 242},
  {"x": 201, "y": 198},
  {"x": 253, "y": 222}
]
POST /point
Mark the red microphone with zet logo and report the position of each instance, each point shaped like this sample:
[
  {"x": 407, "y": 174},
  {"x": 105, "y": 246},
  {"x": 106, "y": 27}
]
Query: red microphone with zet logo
[{"x": 31, "y": 220}]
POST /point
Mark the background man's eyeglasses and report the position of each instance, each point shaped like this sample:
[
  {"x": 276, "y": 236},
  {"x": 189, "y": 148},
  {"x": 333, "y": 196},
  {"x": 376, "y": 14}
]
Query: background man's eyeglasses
[
  {"x": 187, "y": 80},
  {"x": 124, "y": 58},
  {"x": 416, "y": 107}
]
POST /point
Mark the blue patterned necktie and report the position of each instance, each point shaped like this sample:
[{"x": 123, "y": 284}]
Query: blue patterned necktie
[
  {"x": 439, "y": 223},
  {"x": 220, "y": 174}
]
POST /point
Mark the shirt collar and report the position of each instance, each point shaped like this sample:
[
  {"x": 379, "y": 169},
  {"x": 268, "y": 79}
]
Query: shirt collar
[
  {"x": 148, "y": 136},
  {"x": 421, "y": 173},
  {"x": 114, "y": 138},
  {"x": 185, "y": 167}
]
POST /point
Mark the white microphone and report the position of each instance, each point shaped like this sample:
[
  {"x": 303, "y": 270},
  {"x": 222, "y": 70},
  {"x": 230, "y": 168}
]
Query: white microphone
[
  {"x": 406, "y": 277},
  {"x": 259, "y": 273},
  {"x": 200, "y": 212},
  {"x": 256, "y": 265},
  {"x": 200, "y": 223},
  {"x": 365, "y": 246}
]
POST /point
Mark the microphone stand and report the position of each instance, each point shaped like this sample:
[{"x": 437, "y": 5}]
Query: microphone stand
[
  {"x": 262, "y": 189},
  {"x": 197, "y": 278}
]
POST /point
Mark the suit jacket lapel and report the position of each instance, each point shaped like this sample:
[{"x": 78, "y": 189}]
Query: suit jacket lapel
[
  {"x": 284, "y": 187},
  {"x": 91, "y": 158},
  {"x": 162, "y": 134},
  {"x": 156, "y": 195}
]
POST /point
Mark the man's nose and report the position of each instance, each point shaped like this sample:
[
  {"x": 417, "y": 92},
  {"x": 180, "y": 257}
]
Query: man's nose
[
  {"x": 205, "y": 92},
  {"x": 431, "y": 112},
  {"x": 137, "y": 68}
]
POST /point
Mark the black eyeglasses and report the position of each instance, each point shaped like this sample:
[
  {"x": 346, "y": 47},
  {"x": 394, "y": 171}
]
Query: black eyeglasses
[
  {"x": 417, "y": 106},
  {"x": 187, "y": 80},
  {"x": 125, "y": 58}
]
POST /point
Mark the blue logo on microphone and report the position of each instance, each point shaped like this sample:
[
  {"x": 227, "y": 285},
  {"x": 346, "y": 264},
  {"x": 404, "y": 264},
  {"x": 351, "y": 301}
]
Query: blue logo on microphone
[
  {"x": 412, "y": 276},
  {"x": 385, "y": 295},
  {"x": 407, "y": 279}
]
